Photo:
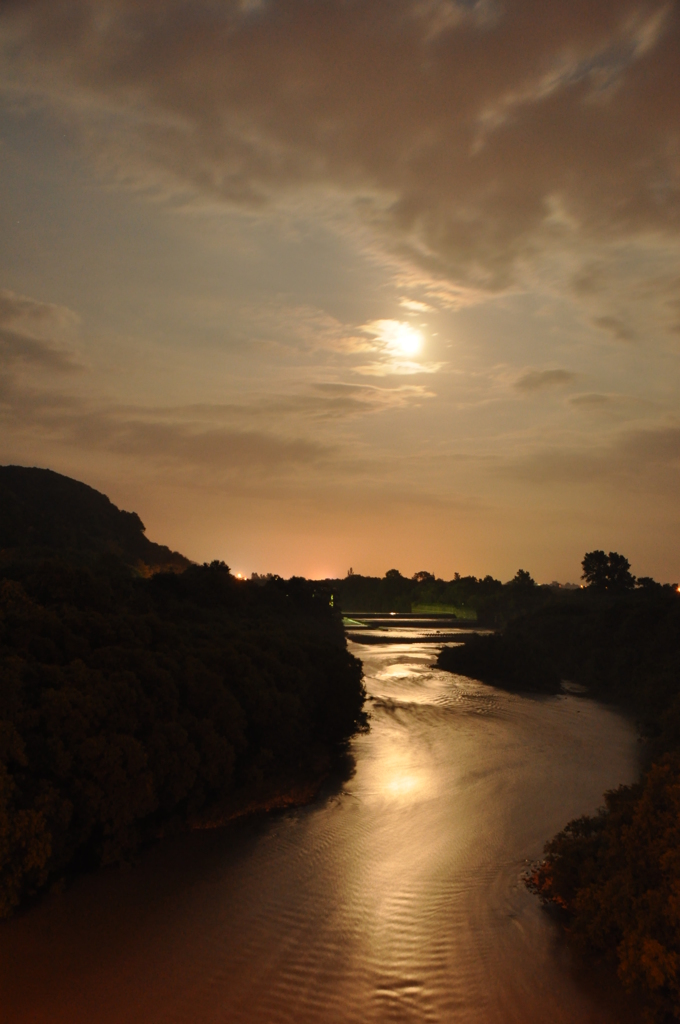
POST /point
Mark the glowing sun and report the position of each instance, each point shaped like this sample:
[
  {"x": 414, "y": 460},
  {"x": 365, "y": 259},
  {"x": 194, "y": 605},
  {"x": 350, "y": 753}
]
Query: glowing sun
[
  {"x": 407, "y": 339},
  {"x": 398, "y": 337}
]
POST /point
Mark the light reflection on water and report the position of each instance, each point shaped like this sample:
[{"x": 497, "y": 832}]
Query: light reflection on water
[{"x": 397, "y": 899}]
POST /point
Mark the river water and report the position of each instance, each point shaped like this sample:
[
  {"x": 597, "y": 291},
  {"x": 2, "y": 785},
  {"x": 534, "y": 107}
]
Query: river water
[{"x": 396, "y": 898}]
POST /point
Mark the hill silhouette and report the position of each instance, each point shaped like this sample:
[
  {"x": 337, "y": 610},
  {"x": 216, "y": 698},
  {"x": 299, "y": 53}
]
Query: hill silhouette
[{"x": 43, "y": 511}]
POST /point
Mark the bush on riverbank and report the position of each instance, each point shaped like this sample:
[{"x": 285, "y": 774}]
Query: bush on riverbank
[
  {"x": 503, "y": 661},
  {"x": 616, "y": 876},
  {"x": 128, "y": 704}
]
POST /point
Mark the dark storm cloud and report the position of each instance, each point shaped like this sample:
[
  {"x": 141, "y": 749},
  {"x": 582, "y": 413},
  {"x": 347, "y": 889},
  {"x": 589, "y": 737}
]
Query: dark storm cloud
[
  {"x": 469, "y": 136},
  {"x": 539, "y": 380}
]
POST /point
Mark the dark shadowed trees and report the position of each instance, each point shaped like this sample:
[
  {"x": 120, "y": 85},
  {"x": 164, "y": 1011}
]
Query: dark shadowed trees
[
  {"x": 127, "y": 704},
  {"x": 522, "y": 578},
  {"x": 607, "y": 572}
]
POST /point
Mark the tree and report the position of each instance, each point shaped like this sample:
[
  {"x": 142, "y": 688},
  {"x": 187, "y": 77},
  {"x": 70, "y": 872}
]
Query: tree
[
  {"x": 423, "y": 576},
  {"x": 620, "y": 576},
  {"x": 522, "y": 578},
  {"x": 607, "y": 572},
  {"x": 649, "y": 584}
]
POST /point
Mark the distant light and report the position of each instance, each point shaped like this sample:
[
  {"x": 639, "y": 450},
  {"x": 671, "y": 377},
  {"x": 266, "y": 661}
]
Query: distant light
[
  {"x": 393, "y": 613},
  {"x": 239, "y": 576}
]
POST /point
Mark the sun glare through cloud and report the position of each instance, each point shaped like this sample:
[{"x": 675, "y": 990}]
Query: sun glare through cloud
[{"x": 395, "y": 337}]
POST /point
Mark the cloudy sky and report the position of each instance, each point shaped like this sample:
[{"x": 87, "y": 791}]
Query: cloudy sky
[{"x": 312, "y": 284}]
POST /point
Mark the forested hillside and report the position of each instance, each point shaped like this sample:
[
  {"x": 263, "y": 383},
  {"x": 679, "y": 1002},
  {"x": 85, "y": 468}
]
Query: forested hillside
[
  {"x": 42, "y": 511},
  {"x": 130, "y": 705}
]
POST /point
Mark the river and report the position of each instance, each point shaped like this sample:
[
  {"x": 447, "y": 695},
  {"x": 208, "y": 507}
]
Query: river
[{"x": 395, "y": 898}]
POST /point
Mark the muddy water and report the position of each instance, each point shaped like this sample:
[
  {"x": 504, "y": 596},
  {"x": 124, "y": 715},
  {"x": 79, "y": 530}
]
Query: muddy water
[{"x": 396, "y": 899}]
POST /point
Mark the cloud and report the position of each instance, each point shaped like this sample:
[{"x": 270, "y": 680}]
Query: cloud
[
  {"x": 414, "y": 306},
  {"x": 34, "y": 317},
  {"x": 27, "y": 330},
  {"x": 660, "y": 447},
  {"x": 643, "y": 458},
  {"x": 618, "y": 330},
  {"x": 265, "y": 436},
  {"x": 307, "y": 327},
  {"x": 395, "y": 337},
  {"x": 322, "y": 401},
  {"x": 397, "y": 367},
  {"x": 398, "y": 345},
  {"x": 154, "y": 439},
  {"x": 359, "y": 399},
  {"x": 614, "y": 405},
  {"x": 590, "y": 400},
  {"x": 467, "y": 139},
  {"x": 538, "y": 380},
  {"x": 19, "y": 348},
  {"x": 244, "y": 451},
  {"x": 259, "y": 434}
]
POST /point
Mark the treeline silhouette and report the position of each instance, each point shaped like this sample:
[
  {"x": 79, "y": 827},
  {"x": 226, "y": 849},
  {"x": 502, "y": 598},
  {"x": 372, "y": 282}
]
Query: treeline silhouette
[
  {"x": 615, "y": 875},
  {"x": 130, "y": 705},
  {"x": 485, "y": 599}
]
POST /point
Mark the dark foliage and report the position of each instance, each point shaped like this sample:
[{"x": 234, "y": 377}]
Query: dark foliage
[
  {"x": 607, "y": 572},
  {"x": 503, "y": 660},
  {"x": 128, "y": 704},
  {"x": 397, "y": 593},
  {"x": 616, "y": 875},
  {"x": 624, "y": 648},
  {"x": 623, "y": 644}
]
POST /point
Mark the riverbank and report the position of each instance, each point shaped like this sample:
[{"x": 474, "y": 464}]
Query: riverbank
[
  {"x": 281, "y": 794},
  {"x": 129, "y": 705},
  {"x": 398, "y": 897},
  {"x": 614, "y": 874},
  {"x": 389, "y": 637}
]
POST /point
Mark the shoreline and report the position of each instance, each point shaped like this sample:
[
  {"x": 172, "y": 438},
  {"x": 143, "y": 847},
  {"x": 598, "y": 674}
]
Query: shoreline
[
  {"x": 298, "y": 790},
  {"x": 427, "y": 638}
]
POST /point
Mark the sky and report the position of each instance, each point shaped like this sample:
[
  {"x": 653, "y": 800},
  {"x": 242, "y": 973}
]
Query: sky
[{"x": 319, "y": 284}]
